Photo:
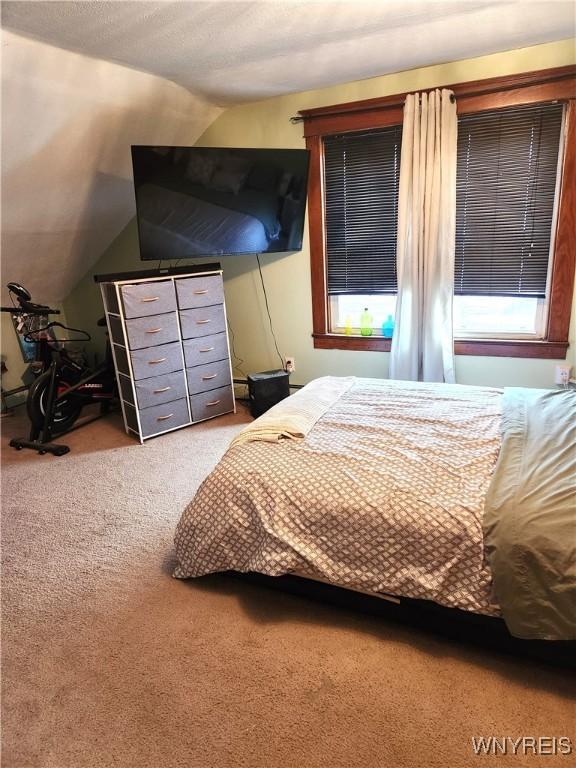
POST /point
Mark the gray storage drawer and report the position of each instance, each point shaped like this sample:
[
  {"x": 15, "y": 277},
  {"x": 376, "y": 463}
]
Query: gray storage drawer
[
  {"x": 160, "y": 389},
  {"x": 171, "y": 350},
  {"x": 154, "y": 361},
  {"x": 151, "y": 298},
  {"x": 206, "y": 349},
  {"x": 159, "y": 418},
  {"x": 202, "y": 322},
  {"x": 212, "y": 403},
  {"x": 209, "y": 376},
  {"x": 150, "y": 331},
  {"x": 200, "y": 291}
]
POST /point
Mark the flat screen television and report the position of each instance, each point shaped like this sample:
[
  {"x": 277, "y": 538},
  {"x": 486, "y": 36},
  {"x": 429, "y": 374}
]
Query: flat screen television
[{"x": 195, "y": 201}]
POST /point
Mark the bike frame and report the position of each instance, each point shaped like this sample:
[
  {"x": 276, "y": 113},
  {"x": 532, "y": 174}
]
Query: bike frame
[{"x": 96, "y": 386}]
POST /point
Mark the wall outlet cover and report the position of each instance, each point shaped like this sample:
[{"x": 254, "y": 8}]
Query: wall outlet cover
[{"x": 562, "y": 374}]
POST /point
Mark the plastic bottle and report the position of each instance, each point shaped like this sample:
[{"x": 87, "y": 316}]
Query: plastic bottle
[
  {"x": 348, "y": 325},
  {"x": 388, "y": 327},
  {"x": 366, "y": 323}
]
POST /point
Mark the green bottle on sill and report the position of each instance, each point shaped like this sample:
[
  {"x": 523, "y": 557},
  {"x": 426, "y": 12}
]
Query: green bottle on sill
[{"x": 366, "y": 323}]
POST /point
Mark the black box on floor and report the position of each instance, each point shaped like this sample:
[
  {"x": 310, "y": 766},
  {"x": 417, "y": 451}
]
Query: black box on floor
[{"x": 267, "y": 388}]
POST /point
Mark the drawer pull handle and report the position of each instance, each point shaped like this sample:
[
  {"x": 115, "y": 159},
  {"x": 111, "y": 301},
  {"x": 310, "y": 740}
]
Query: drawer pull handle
[
  {"x": 200, "y": 293},
  {"x": 163, "y": 418},
  {"x": 213, "y": 402},
  {"x": 154, "y": 330},
  {"x": 207, "y": 349},
  {"x": 159, "y": 360},
  {"x": 162, "y": 389},
  {"x": 202, "y": 322},
  {"x": 211, "y": 376},
  {"x": 150, "y": 298}
]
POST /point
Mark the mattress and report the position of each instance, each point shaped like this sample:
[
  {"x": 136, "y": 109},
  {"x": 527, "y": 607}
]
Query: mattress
[{"x": 384, "y": 494}]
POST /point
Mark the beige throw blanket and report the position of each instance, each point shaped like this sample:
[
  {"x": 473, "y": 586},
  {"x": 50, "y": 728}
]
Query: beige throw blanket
[{"x": 295, "y": 416}]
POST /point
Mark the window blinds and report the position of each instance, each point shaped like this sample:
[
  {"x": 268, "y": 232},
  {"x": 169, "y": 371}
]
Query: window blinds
[
  {"x": 361, "y": 174},
  {"x": 505, "y": 189}
]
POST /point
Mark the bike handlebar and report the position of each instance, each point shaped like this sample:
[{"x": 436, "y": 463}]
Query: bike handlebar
[{"x": 30, "y": 310}]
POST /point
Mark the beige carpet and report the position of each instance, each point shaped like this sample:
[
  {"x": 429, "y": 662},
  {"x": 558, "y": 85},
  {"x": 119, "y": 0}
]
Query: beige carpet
[{"x": 108, "y": 661}]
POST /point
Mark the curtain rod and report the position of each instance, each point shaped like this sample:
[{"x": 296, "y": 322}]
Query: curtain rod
[{"x": 300, "y": 119}]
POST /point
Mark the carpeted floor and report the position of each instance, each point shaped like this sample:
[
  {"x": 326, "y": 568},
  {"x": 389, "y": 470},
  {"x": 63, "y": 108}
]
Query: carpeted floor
[{"x": 108, "y": 661}]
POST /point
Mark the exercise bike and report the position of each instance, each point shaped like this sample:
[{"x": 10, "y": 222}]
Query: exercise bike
[{"x": 63, "y": 385}]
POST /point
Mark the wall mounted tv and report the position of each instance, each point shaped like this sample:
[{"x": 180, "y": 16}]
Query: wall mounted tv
[{"x": 194, "y": 201}]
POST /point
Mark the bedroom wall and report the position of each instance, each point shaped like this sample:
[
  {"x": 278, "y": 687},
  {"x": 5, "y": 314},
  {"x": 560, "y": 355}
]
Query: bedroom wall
[
  {"x": 287, "y": 277},
  {"x": 68, "y": 121}
]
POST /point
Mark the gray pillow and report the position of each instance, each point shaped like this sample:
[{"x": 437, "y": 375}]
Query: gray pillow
[
  {"x": 200, "y": 168},
  {"x": 226, "y": 180}
]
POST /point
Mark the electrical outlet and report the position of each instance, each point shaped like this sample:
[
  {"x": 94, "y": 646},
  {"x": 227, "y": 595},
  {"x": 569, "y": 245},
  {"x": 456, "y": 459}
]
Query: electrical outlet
[
  {"x": 290, "y": 364},
  {"x": 562, "y": 374}
]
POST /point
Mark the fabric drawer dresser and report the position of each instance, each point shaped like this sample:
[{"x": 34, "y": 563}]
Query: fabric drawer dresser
[{"x": 170, "y": 346}]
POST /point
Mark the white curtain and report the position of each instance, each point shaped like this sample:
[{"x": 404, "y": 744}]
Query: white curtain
[{"x": 423, "y": 343}]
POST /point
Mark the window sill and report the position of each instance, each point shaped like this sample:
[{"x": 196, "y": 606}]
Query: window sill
[
  {"x": 358, "y": 343},
  {"x": 544, "y": 350}
]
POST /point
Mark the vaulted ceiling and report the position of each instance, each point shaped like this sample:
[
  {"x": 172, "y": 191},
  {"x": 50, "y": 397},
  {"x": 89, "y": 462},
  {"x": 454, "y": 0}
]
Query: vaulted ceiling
[
  {"x": 243, "y": 51},
  {"x": 81, "y": 81}
]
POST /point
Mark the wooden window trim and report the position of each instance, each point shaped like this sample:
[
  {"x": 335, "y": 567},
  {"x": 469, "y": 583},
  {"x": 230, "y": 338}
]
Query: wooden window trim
[{"x": 557, "y": 84}]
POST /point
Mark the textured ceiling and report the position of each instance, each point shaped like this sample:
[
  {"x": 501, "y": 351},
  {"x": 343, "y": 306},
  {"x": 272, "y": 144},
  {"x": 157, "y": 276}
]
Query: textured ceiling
[{"x": 241, "y": 51}]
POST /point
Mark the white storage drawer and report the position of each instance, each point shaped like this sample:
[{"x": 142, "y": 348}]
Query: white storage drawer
[
  {"x": 151, "y": 298},
  {"x": 154, "y": 361},
  {"x": 200, "y": 291},
  {"x": 160, "y": 389},
  {"x": 213, "y": 403},
  {"x": 209, "y": 376},
  {"x": 151, "y": 331},
  {"x": 206, "y": 349},
  {"x": 160, "y": 418},
  {"x": 202, "y": 322}
]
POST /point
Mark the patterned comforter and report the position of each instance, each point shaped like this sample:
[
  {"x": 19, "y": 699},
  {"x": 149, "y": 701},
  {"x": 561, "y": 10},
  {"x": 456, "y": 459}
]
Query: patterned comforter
[{"x": 385, "y": 494}]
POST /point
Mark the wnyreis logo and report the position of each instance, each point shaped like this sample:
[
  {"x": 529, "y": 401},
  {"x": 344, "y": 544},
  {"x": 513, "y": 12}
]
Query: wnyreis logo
[{"x": 522, "y": 745}]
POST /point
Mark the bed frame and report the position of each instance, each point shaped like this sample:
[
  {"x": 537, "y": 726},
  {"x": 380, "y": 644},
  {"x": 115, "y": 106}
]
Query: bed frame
[{"x": 456, "y": 625}]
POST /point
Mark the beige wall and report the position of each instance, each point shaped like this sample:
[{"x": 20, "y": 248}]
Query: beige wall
[{"x": 287, "y": 277}]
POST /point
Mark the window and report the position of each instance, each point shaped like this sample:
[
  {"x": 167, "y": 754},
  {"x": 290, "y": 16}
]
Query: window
[
  {"x": 506, "y": 182},
  {"x": 515, "y": 245},
  {"x": 361, "y": 177}
]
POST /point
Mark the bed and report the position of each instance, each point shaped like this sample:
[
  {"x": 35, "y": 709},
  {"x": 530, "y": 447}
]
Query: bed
[
  {"x": 197, "y": 220},
  {"x": 454, "y": 495}
]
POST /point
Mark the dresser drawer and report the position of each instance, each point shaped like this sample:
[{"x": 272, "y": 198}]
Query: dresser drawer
[
  {"x": 154, "y": 361},
  {"x": 150, "y": 331},
  {"x": 159, "y": 418},
  {"x": 212, "y": 403},
  {"x": 206, "y": 349},
  {"x": 145, "y": 299},
  {"x": 202, "y": 322},
  {"x": 200, "y": 291},
  {"x": 209, "y": 376},
  {"x": 160, "y": 389}
]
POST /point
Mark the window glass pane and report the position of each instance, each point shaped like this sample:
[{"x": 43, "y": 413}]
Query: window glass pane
[
  {"x": 346, "y": 312},
  {"x": 497, "y": 315}
]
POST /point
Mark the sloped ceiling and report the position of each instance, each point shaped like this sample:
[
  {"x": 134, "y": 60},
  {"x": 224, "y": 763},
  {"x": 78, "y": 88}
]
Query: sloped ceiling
[
  {"x": 243, "y": 51},
  {"x": 81, "y": 81},
  {"x": 67, "y": 125}
]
